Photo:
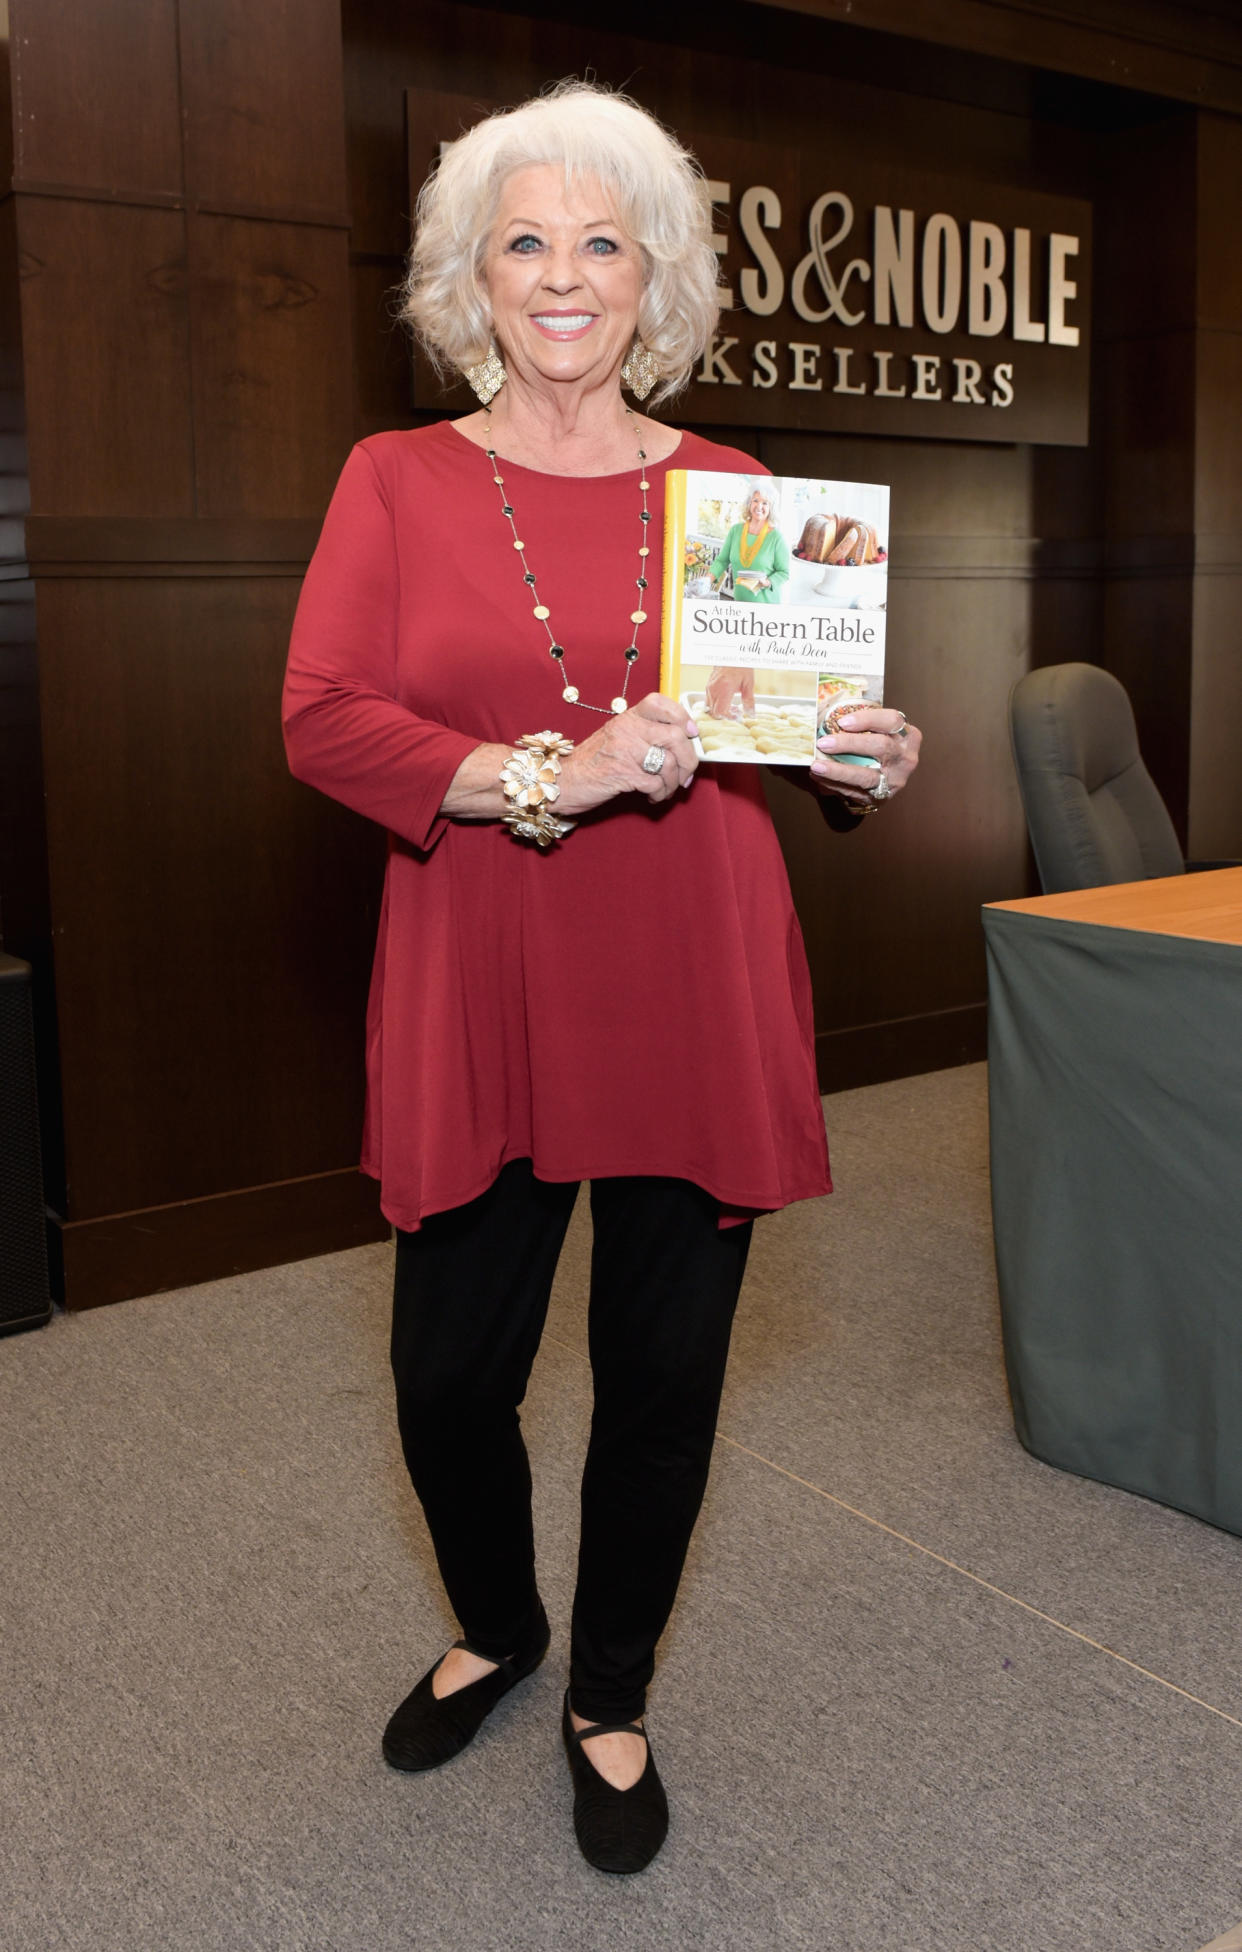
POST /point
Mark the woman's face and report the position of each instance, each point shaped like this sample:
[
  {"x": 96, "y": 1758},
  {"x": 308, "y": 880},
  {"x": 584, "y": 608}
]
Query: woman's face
[
  {"x": 760, "y": 509},
  {"x": 563, "y": 278}
]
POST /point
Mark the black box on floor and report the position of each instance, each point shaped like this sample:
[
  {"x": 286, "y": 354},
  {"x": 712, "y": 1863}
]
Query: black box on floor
[{"x": 25, "y": 1300}]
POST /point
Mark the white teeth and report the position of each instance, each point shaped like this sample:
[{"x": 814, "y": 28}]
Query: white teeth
[{"x": 573, "y": 323}]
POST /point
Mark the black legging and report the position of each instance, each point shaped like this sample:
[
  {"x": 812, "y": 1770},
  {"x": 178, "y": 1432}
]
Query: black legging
[{"x": 469, "y": 1304}]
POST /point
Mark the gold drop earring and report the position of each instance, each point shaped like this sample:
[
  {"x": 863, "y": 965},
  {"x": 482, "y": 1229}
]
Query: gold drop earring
[
  {"x": 640, "y": 371},
  {"x": 487, "y": 377}
]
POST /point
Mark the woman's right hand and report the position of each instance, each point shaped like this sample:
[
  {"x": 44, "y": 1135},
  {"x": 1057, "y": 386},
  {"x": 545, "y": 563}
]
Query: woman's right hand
[
  {"x": 726, "y": 683},
  {"x": 610, "y": 762}
]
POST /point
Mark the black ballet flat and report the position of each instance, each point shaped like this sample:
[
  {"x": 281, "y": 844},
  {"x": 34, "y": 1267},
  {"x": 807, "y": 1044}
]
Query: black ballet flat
[
  {"x": 425, "y": 1732},
  {"x": 618, "y": 1830}
]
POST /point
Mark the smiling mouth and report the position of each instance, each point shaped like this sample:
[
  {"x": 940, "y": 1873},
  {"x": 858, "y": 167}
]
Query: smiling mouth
[{"x": 564, "y": 321}]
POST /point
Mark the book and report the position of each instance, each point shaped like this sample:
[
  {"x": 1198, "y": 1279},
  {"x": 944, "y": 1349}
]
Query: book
[{"x": 775, "y": 605}]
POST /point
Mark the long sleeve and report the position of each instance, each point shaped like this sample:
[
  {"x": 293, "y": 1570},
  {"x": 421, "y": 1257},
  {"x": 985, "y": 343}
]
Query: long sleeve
[
  {"x": 778, "y": 574},
  {"x": 346, "y": 731}
]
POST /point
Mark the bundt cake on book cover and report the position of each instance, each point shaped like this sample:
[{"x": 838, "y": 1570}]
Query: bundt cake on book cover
[{"x": 839, "y": 539}]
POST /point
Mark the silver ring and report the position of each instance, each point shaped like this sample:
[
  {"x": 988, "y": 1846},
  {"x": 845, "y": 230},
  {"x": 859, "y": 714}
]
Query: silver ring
[
  {"x": 653, "y": 759},
  {"x": 881, "y": 790},
  {"x": 900, "y": 731}
]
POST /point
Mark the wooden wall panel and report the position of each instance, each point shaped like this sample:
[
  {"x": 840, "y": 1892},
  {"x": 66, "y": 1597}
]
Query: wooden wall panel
[
  {"x": 382, "y": 348},
  {"x": 1214, "y": 831},
  {"x": 210, "y": 910},
  {"x": 25, "y": 921},
  {"x": 106, "y": 357},
  {"x": 1218, "y": 431},
  {"x": 1067, "y": 588},
  {"x": 273, "y": 410},
  {"x": 95, "y": 103},
  {"x": 1067, "y": 616},
  {"x": 972, "y": 600},
  {"x": 188, "y": 375},
  {"x": 12, "y": 363},
  {"x": 23, "y": 877},
  {"x": 1219, "y": 261},
  {"x": 483, "y": 55},
  {"x": 1149, "y": 642},
  {"x": 960, "y": 597},
  {"x": 1164, "y": 46},
  {"x": 191, "y": 403},
  {"x": 1146, "y": 405},
  {"x": 908, "y": 890},
  {"x": 939, "y": 490},
  {"x": 1133, "y": 492},
  {"x": 1145, "y": 245},
  {"x": 379, "y": 204},
  {"x": 476, "y": 56},
  {"x": 6, "y": 112},
  {"x": 1067, "y": 494},
  {"x": 1215, "y": 820},
  {"x": 158, "y": 1248},
  {"x": 264, "y": 107},
  {"x": 1145, "y": 363},
  {"x": 479, "y": 56}
]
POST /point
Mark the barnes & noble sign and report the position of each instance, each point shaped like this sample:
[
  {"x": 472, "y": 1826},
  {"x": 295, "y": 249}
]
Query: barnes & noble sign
[{"x": 863, "y": 298}]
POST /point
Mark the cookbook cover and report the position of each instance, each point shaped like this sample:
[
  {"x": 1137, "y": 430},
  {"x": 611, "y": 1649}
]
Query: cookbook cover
[{"x": 775, "y": 602}]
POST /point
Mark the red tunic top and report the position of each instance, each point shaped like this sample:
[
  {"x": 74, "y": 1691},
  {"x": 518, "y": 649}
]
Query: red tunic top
[{"x": 637, "y": 999}]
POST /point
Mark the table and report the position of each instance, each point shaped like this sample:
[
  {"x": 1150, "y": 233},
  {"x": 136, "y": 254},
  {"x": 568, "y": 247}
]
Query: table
[{"x": 1115, "y": 1089}]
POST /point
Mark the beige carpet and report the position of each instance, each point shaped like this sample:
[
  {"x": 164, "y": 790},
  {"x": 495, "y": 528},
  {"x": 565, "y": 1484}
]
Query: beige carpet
[{"x": 921, "y": 1691}]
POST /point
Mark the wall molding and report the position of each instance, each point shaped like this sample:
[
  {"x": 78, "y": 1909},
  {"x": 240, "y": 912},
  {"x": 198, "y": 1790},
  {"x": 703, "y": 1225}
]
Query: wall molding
[
  {"x": 160, "y": 1248},
  {"x": 315, "y": 216},
  {"x": 1165, "y": 48},
  {"x": 171, "y": 545},
  {"x": 874, "y": 1053},
  {"x": 106, "y": 545}
]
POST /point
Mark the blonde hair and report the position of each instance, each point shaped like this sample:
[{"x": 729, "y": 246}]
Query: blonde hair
[{"x": 659, "y": 195}]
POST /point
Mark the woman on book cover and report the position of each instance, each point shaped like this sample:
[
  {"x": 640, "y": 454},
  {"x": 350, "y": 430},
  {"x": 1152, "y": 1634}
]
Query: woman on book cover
[
  {"x": 563, "y": 911},
  {"x": 755, "y": 554}
]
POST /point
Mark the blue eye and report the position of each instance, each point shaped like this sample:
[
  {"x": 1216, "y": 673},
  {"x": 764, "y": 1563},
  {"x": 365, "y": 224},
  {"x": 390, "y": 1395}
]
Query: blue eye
[
  {"x": 525, "y": 244},
  {"x": 602, "y": 246}
]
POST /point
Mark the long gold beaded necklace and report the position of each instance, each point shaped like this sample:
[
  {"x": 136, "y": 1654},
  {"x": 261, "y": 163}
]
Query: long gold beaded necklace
[
  {"x": 748, "y": 557},
  {"x": 638, "y": 617}
]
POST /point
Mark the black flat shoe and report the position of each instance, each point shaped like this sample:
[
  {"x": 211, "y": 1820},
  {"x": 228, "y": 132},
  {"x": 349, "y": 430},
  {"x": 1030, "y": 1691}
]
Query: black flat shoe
[
  {"x": 425, "y": 1731},
  {"x": 618, "y": 1830}
]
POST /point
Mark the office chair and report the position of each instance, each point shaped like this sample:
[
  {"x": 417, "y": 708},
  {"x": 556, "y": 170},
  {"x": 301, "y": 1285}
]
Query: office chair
[{"x": 1093, "y": 811}]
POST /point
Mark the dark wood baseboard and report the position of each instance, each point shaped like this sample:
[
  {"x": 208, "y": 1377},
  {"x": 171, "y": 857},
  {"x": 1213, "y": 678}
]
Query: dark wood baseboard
[
  {"x": 146, "y": 1253},
  {"x": 872, "y": 1053},
  {"x": 130, "y": 1254}
]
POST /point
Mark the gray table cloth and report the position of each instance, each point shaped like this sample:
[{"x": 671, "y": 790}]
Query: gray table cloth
[{"x": 1115, "y": 1088}]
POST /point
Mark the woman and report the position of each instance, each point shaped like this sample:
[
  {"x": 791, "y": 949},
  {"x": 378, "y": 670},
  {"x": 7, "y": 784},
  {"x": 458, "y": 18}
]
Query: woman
[
  {"x": 756, "y": 556},
  {"x": 755, "y": 553},
  {"x": 561, "y": 913}
]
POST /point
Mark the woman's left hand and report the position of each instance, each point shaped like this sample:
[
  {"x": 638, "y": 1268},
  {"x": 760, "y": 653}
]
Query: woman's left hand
[{"x": 880, "y": 733}]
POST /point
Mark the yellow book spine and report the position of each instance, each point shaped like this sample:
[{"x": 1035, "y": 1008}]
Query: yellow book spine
[{"x": 674, "y": 580}]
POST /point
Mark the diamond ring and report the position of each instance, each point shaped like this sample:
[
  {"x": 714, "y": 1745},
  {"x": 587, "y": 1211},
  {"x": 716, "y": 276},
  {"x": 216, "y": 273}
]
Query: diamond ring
[{"x": 653, "y": 759}]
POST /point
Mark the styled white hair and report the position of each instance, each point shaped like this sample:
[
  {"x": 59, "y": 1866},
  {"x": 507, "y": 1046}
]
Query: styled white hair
[
  {"x": 657, "y": 190},
  {"x": 763, "y": 485}
]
